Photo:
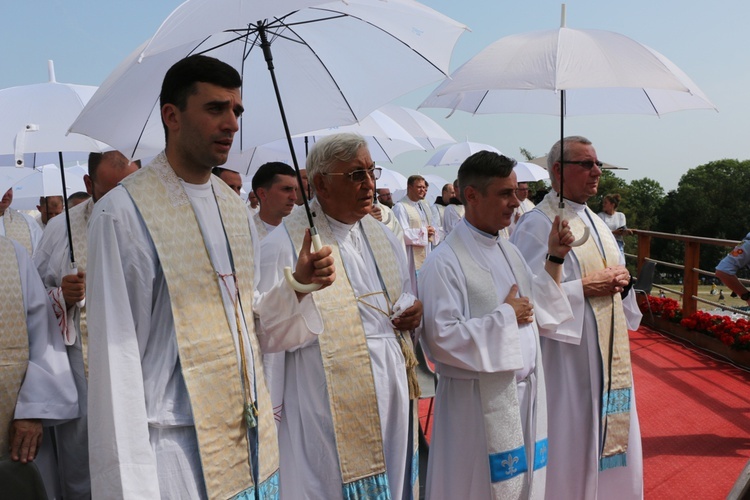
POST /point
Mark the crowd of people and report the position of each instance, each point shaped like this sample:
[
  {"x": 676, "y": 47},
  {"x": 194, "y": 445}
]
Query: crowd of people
[{"x": 176, "y": 360}]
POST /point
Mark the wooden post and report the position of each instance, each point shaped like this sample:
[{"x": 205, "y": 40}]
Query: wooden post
[
  {"x": 644, "y": 250},
  {"x": 690, "y": 278}
]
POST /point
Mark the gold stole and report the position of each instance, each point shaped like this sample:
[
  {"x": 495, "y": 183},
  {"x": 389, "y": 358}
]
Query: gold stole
[
  {"x": 260, "y": 226},
  {"x": 79, "y": 221},
  {"x": 612, "y": 332},
  {"x": 415, "y": 222},
  {"x": 17, "y": 229},
  {"x": 203, "y": 330},
  {"x": 346, "y": 357},
  {"x": 14, "y": 339}
]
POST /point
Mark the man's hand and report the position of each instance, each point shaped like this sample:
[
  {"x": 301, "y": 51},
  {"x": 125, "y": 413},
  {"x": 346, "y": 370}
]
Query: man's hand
[
  {"x": 430, "y": 232},
  {"x": 560, "y": 238},
  {"x": 73, "y": 288},
  {"x": 314, "y": 267},
  {"x": 25, "y": 439},
  {"x": 409, "y": 319},
  {"x": 376, "y": 212},
  {"x": 608, "y": 281},
  {"x": 521, "y": 305}
]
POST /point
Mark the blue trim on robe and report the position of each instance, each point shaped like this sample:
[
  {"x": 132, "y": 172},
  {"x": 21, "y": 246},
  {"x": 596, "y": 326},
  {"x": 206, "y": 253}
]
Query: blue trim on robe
[
  {"x": 541, "y": 454},
  {"x": 369, "y": 488},
  {"x": 268, "y": 489},
  {"x": 414, "y": 467},
  {"x": 619, "y": 460},
  {"x": 617, "y": 401},
  {"x": 508, "y": 464}
]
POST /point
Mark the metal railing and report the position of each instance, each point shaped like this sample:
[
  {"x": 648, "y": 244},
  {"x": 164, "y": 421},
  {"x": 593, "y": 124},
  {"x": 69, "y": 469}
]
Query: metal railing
[{"x": 690, "y": 268}]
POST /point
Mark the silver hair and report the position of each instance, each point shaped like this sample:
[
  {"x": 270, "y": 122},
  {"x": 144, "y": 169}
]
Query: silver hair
[
  {"x": 330, "y": 149},
  {"x": 554, "y": 153}
]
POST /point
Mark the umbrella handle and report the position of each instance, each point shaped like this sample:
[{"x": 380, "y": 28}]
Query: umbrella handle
[
  {"x": 74, "y": 272},
  {"x": 310, "y": 287},
  {"x": 586, "y": 231}
]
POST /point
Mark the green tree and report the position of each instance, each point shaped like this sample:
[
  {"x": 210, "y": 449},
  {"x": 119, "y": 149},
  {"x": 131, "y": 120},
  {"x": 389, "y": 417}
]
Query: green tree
[{"x": 645, "y": 200}]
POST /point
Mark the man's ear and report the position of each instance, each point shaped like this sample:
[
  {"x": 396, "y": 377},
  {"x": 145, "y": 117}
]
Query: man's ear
[
  {"x": 320, "y": 185},
  {"x": 169, "y": 114},
  {"x": 470, "y": 194},
  {"x": 89, "y": 184}
]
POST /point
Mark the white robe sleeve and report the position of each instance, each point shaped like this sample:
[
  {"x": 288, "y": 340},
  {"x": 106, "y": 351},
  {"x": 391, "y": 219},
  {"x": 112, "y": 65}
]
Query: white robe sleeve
[
  {"x": 452, "y": 337},
  {"x": 412, "y": 237},
  {"x": 530, "y": 236},
  {"x": 48, "y": 390},
  {"x": 301, "y": 321},
  {"x": 450, "y": 219},
  {"x": 122, "y": 462}
]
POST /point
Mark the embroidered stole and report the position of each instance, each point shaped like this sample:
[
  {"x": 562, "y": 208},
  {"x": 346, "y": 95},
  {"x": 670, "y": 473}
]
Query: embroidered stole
[
  {"x": 346, "y": 358},
  {"x": 260, "y": 226},
  {"x": 441, "y": 213},
  {"x": 203, "y": 330},
  {"x": 17, "y": 229},
  {"x": 79, "y": 221},
  {"x": 512, "y": 462},
  {"x": 14, "y": 339},
  {"x": 415, "y": 222},
  {"x": 460, "y": 210},
  {"x": 614, "y": 346}
]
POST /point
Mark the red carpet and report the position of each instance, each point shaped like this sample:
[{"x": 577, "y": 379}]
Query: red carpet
[{"x": 695, "y": 419}]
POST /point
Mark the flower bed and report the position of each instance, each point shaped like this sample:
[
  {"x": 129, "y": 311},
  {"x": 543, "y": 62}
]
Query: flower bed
[{"x": 733, "y": 333}]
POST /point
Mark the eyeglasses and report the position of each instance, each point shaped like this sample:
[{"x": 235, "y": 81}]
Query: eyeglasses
[
  {"x": 361, "y": 175},
  {"x": 587, "y": 164}
]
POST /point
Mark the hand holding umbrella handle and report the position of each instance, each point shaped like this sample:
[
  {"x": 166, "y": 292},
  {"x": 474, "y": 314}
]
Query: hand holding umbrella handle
[
  {"x": 296, "y": 285},
  {"x": 74, "y": 272},
  {"x": 586, "y": 231}
]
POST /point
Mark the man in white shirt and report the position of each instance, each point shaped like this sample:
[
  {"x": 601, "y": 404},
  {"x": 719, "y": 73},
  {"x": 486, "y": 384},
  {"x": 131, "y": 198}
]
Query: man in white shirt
[
  {"x": 178, "y": 404},
  {"x": 594, "y": 436},
  {"x": 49, "y": 207},
  {"x": 230, "y": 177},
  {"x": 415, "y": 217},
  {"x": 348, "y": 392},
  {"x": 67, "y": 292},
  {"x": 275, "y": 184}
]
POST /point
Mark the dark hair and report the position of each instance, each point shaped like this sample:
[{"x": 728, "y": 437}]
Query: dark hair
[
  {"x": 267, "y": 172},
  {"x": 179, "y": 82},
  {"x": 414, "y": 178},
  {"x": 78, "y": 195},
  {"x": 614, "y": 199},
  {"x": 479, "y": 168},
  {"x": 118, "y": 159}
]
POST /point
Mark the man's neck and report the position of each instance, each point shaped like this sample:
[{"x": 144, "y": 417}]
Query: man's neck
[
  {"x": 187, "y": 171},
  {"x": 268, "y": 219}
]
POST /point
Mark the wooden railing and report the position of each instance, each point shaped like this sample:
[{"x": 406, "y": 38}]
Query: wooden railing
[{"x": 690, "y": 268}]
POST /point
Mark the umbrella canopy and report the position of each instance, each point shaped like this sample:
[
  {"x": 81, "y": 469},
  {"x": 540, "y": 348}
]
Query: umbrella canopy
[
  {"x": 390, "y": 179},
  {"x": 46, "y": 181},
  {"x": 529, "y": 172},
  {"x": 423, "y": 128},
  {"x": 457, "y": 153},
  {"x": 315, "y": 51},
  {"x": 601, "y": 72},
  {"x": 385, "y": 138},
  {"x": 36, "y": 118},
  {"x": 9, "y": 176}
]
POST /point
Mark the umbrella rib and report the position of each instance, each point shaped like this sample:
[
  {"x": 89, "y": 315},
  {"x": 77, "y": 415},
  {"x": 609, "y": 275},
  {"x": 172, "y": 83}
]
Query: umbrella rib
[
  {"x": 479, "y": 104},
  {"x": 656, "y": 111}
]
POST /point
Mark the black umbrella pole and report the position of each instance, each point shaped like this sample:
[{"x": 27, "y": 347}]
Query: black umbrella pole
[
  {"x": 266, "y": 47},
  {"x": 67, "y": 215},
  {"x": 562, "y": 146}
]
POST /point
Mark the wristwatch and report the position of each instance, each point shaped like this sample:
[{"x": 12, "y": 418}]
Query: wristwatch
[
  {"x": 745, "y": 296},
  {"x": 559, "y": 260}
]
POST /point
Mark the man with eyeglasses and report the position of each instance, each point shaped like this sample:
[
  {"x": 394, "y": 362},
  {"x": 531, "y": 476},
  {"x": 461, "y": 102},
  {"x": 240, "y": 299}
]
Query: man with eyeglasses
[
  {"x": 525, "y": 205},
  {"x": 594, "y": 435},
  {"x": 415, "y": 216},
  {"x": 349, "y": 391}
]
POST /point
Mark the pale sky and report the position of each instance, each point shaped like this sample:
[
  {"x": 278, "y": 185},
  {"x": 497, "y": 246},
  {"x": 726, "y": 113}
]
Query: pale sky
[{"x": 707, "y": 40}]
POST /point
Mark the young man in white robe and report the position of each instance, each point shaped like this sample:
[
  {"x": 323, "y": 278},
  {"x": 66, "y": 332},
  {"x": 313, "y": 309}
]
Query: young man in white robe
[
  {"x": 484, "y": 310},
  {"x": 415, "y": 217},
  {"x": 594, "y": 436},
  {"x": 347, "y": 430},
  {"x": 67, "y": 293},
  {"x": 36, "y": 384},
  {"x": 178, "y": 405},
  {"x": 17, "y": 225}
]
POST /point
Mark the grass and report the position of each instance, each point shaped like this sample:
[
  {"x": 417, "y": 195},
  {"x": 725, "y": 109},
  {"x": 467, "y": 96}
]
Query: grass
[{"x": 704, "y": 292}]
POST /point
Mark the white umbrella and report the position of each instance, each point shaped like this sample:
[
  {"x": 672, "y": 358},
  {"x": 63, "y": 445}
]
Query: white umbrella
[
  {"x": 542, "y": 71},
  {"x": 330, "y": 62},
  {"x": 46, "y": 181},
  {"x": 455, "y": 154},
  {"x": 9, "y": 176},
  {"x": 423, "y": 128},
  {"x": 385, "y": 138},
  {"x": 529, "y": 172},
  {"x": 391, "y": 179}
]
